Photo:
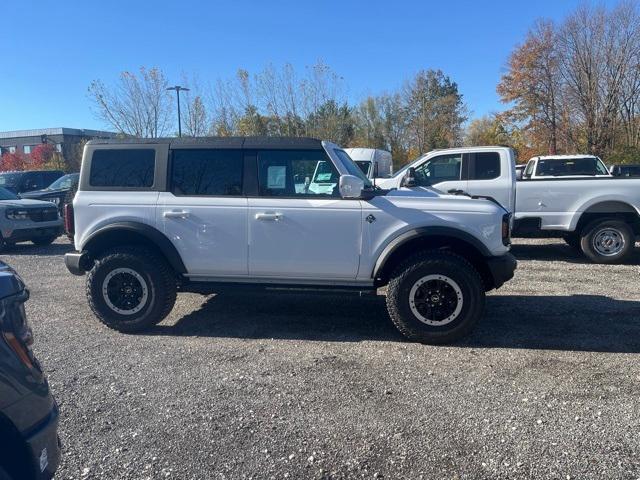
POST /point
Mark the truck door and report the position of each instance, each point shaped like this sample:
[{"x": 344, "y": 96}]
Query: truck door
[{"x": 442, "y": 173}]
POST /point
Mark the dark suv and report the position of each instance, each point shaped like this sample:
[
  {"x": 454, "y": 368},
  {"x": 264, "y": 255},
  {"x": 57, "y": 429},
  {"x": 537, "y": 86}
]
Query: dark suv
[
  {"x": 29, "y": 445},
  {"x": 26, "y": 181}
]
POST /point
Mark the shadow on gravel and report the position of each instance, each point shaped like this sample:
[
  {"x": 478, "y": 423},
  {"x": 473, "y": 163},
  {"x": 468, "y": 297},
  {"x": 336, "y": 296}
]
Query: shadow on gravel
[
  {"x": 29, "y": 248},
  {"x": 558, "y": 252},
  {"x": 574, "y": 323}
]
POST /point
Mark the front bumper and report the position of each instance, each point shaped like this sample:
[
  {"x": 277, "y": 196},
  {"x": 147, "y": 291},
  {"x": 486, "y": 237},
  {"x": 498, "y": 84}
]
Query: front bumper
[
  {"x": 45, "y": 447},
  {"x": 502, "y": 268},
  {"x": 77, "y": 262}
]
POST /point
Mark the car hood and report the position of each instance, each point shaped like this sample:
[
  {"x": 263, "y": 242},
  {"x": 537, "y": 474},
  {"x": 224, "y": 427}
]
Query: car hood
[
  {"x": 40, "y": 193},
  {"x": 24, "y": 202}
]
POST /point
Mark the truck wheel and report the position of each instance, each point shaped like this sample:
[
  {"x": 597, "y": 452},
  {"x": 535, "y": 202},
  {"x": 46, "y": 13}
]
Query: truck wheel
[
  {"x": 607, "y": 241},
  {"x": 435, "y": 297},
  {"x": 131, "y": 288}
]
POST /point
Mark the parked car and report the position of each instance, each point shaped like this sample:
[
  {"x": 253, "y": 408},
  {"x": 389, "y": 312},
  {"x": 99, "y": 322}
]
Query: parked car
[
  {"x": 625, "y": 170},
  {"x": 592, "y": 211},
  {"x": 372, "y": 161},
  {"x": 56, "y": 192},
  {"x": 29, "y": 444},
  {"x": 23, "y": 220},
  {"x": 237, "y": 213},
  {"x": 566, "y": 166},
  {"x": 27, "y": 181}
]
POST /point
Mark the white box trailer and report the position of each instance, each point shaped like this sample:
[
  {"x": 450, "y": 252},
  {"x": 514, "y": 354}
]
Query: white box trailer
[{"x": 374, "y": 162}]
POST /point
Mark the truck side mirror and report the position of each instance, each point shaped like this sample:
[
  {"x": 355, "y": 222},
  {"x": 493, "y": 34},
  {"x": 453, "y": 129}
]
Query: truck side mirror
[
  {"x": 350, "y": 186},
  {"x": 409, "y": 179}
]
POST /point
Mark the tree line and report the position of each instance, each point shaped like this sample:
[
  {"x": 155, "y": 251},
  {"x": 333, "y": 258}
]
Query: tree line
[
  {"x": 569, "y": 87},
  {"x": 427, "y": 112}
]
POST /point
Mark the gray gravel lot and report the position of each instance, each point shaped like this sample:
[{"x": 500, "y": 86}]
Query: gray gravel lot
[{"x": 272, "y": 386}]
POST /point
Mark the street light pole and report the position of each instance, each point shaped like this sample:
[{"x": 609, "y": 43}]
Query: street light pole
[{"x": 178, "y": 88}]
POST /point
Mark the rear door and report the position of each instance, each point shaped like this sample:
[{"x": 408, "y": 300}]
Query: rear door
[
  {"x": 489, "y": 175},
  {"x": 204, "y": 211},
  {"x": 299, "y": 226}
]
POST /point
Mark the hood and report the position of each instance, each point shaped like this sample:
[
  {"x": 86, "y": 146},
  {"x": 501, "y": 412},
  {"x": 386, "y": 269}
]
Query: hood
[
  {"x": 42, "y": 193},
  {"x": 25, "y": 202}
]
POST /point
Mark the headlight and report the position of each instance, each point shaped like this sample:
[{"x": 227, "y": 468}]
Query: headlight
[{"x": 17, "y": 214}]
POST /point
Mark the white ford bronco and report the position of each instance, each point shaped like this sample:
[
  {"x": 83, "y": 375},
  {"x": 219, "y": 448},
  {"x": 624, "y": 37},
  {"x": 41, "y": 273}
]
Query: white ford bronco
[{"x": 154, "y": 217}]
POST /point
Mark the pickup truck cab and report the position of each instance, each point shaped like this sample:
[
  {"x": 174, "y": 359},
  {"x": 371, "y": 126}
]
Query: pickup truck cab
[
  {"x": 565, "y": 166},
  {"x": 154, "y": 217},
  {"x": 488, "y": 171}
]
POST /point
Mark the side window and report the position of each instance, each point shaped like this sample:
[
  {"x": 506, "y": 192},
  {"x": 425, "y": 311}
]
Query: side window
[
  {"x": 439, "y": 169},
  {"x": 206, "y": 172},
  {"x": 486, "y": 166},
  {"x": 33, "y": 181},
  {"x": 292, "y": 173},
  {"x": 130, "y": 168}
]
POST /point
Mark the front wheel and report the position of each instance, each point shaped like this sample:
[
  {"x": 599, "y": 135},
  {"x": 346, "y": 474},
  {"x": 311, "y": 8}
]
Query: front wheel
[
  {"x": 607, "y": 241},
  {"x": 435, "y": 297},
  {"x": 131, "y": 288}
]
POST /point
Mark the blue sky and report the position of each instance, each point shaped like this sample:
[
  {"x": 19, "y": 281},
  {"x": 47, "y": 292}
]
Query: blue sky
[{"x": 51, "y": 50}]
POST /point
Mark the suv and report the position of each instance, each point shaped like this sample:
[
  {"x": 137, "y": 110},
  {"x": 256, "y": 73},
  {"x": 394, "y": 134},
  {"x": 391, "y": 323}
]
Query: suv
[
  {"x": 57, "y": 192},
  {"x": 28, "y": 413},
  {"x": 27, "y": 181},
  {"x": 153, "y": 217}
]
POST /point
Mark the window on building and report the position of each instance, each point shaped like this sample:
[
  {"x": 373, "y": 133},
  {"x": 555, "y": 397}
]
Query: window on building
[
  {"x": 129, "y": 168},
  {"x": 59, "y": 147},
  {"x": 206, "y": 172},
  {"x": 27, "y": 149},
  {"x": 292, "y": 173},
  {"x": 11, "y": 149}
]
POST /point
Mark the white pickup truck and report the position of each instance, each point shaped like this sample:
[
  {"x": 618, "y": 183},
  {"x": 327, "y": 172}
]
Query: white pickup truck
[{"x": 593, "y": 211}]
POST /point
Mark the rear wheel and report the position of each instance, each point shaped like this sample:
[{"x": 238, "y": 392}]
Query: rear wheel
[
  {"x": 131, "y": 288},
  {"x": 607, "y": 241},
  {"x": 435, "y": 297}
]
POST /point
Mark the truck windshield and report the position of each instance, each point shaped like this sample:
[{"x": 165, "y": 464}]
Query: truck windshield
[
  {"x": 364, "y": 165},
  {"x": 561, "y": 167},
  {"x": 7, "y": 195}
]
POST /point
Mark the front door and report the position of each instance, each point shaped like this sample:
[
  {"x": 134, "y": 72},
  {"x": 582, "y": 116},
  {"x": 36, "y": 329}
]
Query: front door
[
  {"x": 205, "y": 213},
  {"x": 299, "y": 226},
  {"x": 441, "y": 173}
]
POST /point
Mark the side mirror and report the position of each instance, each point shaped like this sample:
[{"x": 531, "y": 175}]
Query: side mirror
[
  {"x": 351, "y": 186},
  {"x": 409, "y": 179}
]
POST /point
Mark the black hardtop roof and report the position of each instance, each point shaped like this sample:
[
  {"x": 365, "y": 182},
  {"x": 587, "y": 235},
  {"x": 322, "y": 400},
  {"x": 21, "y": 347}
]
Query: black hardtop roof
[{"x": 219, "y": 142}]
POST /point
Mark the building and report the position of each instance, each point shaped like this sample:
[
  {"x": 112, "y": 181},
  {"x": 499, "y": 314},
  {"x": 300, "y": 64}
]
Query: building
[{"x": 65, "y": 140}]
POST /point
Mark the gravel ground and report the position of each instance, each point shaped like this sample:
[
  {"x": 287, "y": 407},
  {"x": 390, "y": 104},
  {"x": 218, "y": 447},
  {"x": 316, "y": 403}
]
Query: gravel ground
[{"x": 296, "y": 387}]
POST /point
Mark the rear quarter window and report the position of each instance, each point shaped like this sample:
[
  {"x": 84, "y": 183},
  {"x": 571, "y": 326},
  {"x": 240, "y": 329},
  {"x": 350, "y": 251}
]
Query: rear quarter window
[
  {"x": 486, "y": 166},
  {"x": 126, "y": 168}
]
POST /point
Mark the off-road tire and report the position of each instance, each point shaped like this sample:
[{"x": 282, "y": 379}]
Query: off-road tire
[
  {"x": 590, "y": 233},
  {"x": 435, "y": 262},
  {"x": 153, "y": 269},
  {"x": 41, "y": 241}
]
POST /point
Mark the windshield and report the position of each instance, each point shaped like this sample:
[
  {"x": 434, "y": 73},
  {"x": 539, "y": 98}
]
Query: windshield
[
  {"x": 351, "y": 167},
  {"x": 65, "y": 182},
  {"x": 364, "y": 166},
  {"x": 7, "y": 195},
  {"x": 9, "y": 179},
  {"x": 557, "y": 167},
  {"x": 410, "y": 164}
]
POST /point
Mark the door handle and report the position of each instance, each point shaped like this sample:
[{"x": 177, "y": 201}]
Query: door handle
[
  {"x": 176, "y": 214},
  {"x": 273, "y": 217}
]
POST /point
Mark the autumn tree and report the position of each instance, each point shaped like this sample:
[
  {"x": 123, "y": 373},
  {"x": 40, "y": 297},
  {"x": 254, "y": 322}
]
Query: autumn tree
[
  {"x": 533, "y": 83},
  {"x": 138, "y": 104}
]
